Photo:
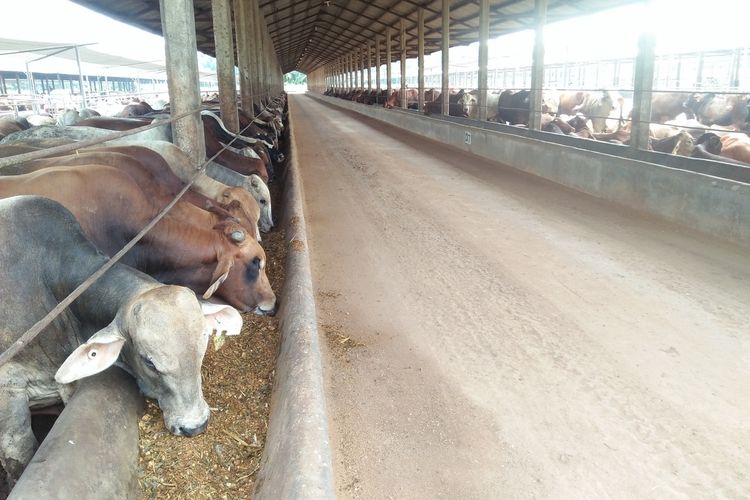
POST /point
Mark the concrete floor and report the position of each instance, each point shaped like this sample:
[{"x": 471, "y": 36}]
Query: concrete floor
[{"x": 493, "y": 335}]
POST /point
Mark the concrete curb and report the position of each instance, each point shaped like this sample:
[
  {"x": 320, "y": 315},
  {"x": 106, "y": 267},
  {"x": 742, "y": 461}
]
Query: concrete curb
[
  {"x": 297, "y": 458},
  {"x": 91, "y": 453}
]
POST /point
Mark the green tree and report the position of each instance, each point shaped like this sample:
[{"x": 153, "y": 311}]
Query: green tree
[{"x": 295, "y": 78}]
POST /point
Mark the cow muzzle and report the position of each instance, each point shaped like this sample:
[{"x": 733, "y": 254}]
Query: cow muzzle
[
  {"x": 260, "y": 311},
  {"x": 179, "y": 430}
]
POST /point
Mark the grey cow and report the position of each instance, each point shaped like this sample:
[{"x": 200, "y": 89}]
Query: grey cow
[{"x": 159, "y": 333}]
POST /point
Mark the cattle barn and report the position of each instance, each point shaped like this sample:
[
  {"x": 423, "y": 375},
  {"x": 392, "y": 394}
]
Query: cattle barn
[{"x": 525, "y": 275}]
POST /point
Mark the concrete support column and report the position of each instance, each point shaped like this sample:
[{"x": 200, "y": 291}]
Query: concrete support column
[
  {"x": 369, "y": 65},
  {"x": 352, "y": 73},
  {"x": 402, "y": 41},
  {"x": 644, "y": 82},
  {"x": 242, "y": 35},
  {"x": 445, "y": 46},
  {"x": 357, "y": 69},
  {"x": 338, "y": 73},
  {"x": 388, "y": 78},
  {"x": 362, "y": 67},
  {"x": 377, "y": 63},
  {"x": 484, "y": 36},
  {"x": 537, "y": 68},
  {"x": 178, "y": 27},
  {"x": 222, "y": 18},
  {"x": 420, "y": 57}
]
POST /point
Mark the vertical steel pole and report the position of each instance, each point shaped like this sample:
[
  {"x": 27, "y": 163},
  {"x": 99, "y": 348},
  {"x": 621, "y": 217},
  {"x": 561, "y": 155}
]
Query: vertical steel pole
[
  {"x": 221, "y": 11},
  {"x": 80, "y": 79},
  {"x": 402, "y": 41},
  {"x": 178, "y": 27},
  {"x": 420, "y": 58},
  {"x": 484, "y": 36},
  {"x": 362, "y": 67},
  {"x": 377, "y": 63},
  {"x": 369, "y": 65},
  {"x": 644, "y": 81},
  {"x": 446, "y": 43},
  {"x": 537, "y": 68},
  {"x": 389, "y": 80}
]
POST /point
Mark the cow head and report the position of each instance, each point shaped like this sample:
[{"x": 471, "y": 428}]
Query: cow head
[
  {"x": 262, "y": 195},
  {"x": 240, "y": 275},
  {"x": 711, "y": 142},
  {"x": 469, "y": 104},
  {"x": 162, "y": 336}
]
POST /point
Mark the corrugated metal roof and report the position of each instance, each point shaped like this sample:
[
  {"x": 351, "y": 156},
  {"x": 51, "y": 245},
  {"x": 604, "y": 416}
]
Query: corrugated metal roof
[{"x": 310, "y": 33}]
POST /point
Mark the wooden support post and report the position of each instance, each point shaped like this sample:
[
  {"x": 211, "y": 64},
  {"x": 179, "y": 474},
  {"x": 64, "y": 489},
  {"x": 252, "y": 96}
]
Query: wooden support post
[
  {"x": 259, "y": 47},
  {"x": 402, "y": 42},
  {"x": 445, "y": 45},
  {"x": 242, "y": 21},
  {"x": 254, "y": 54},
  {"x": 644, "y": 82},
  {"x": 388, "y": 59},
  {"x": 420, "y": 58},
  {"x": 178, "y": 27},
  {"x": 222, "y": 18},
  {"x": 537, "y": 68}
]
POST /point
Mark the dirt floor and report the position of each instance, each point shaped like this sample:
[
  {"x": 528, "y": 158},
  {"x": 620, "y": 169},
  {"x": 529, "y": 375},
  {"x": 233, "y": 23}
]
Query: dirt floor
[
  {"x": 493, "y": 335},
  {"x": 238, "y": 376}
]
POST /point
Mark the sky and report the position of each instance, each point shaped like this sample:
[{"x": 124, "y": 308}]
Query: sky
[{"x": 680, "y": 25}]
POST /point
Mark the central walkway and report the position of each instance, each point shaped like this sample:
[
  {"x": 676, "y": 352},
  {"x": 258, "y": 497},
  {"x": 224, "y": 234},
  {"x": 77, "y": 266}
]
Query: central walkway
[{"x": 493, "y": 335}]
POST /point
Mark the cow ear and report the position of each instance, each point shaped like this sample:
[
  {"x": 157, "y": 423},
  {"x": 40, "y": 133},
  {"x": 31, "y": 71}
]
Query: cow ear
[
  {"x": 254, "y": 182},
  {"x": 221, "y": 318},
  {"x": 220, "y": 275},
  {"x": 96, "y": 355}
]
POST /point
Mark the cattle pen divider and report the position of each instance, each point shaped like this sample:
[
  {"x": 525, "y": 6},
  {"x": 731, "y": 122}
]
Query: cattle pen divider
[{"x": 300, "y": 460}]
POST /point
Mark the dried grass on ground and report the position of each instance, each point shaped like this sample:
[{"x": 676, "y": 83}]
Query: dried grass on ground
[{"x": 223, "y": 462}]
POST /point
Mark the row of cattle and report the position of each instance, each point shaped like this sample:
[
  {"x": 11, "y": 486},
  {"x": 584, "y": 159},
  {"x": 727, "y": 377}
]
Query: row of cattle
[
  {"x": 707, "y": 125},
  {"x": 61, "y": 216}
]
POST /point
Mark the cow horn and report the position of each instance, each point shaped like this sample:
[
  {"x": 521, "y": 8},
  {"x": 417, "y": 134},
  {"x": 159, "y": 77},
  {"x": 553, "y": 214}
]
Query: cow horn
[{"x": 238, "y": 236}]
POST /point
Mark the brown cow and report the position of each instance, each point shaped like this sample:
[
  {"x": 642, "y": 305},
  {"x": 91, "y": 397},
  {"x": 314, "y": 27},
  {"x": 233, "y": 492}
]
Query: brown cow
[
  {"x": 736, "y": 146},
  {"x": 720, "y": 109},
  {"x": 136, "y": 109},
  {"x": 229, "y": 159},
  {"x": 667, "y": 106},
  {"x": 8, "y": 127},
  {"x": 594, "y": 105},
  {"x": 152, "y": 173},
  {"x": 210, "y": 255},
  {"x": 394, "y": 101},
  {"x": 455, "y": 107}
]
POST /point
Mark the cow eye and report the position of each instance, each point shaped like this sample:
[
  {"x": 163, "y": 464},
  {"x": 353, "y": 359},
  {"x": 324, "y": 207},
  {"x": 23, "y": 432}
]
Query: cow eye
[
  {"x": 256, "y": 262},
  {"x": 149, "y": 364},
  {"x": 262, "y": 202}
]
